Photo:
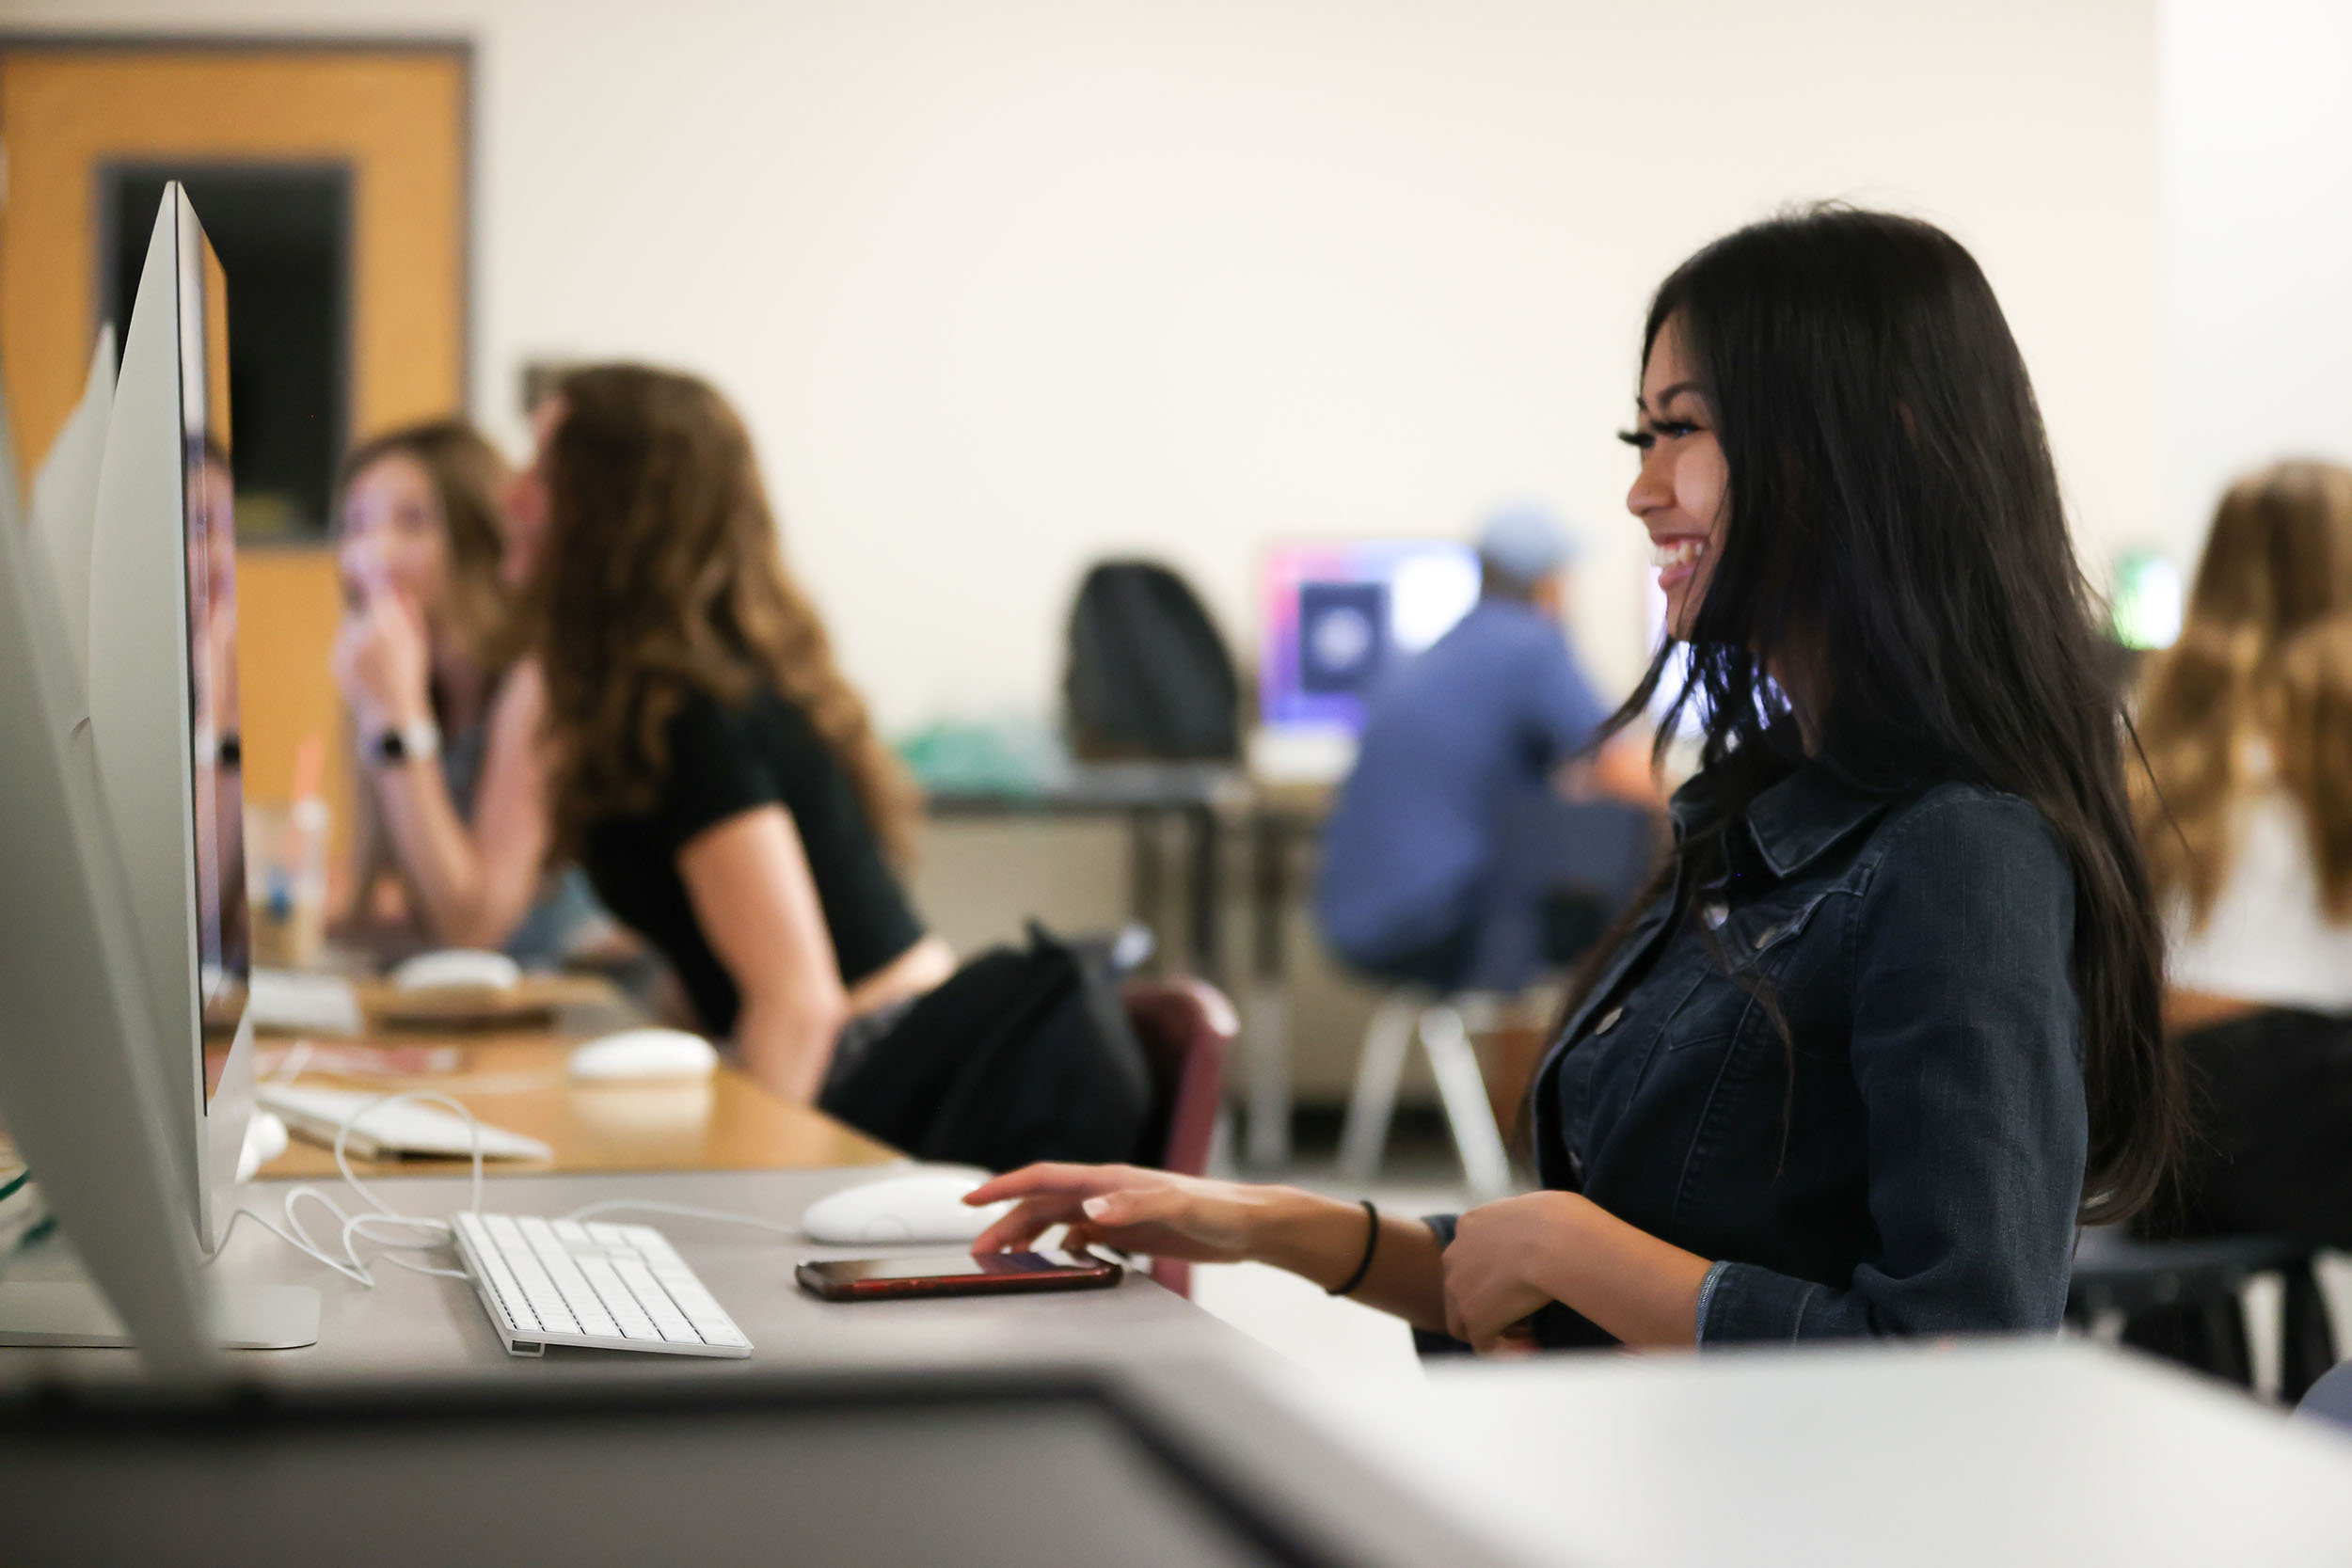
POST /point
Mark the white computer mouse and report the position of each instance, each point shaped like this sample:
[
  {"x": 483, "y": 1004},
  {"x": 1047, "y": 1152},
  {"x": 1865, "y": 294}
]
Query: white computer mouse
[
  {"x": 638, "y": 1053},
  {"x": 924, "y": 1208},
  {"x": 457, "y": 969}
]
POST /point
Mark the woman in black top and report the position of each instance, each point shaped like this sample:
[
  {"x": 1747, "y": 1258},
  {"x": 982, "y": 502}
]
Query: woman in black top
[
  {"x": 708, "y": 765},
  {"x": 1886, "y": 1023}
]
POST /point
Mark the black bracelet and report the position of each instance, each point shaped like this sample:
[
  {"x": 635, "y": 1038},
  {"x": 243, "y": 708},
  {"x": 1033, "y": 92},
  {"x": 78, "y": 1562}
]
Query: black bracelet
[{"x": 1372, "y": 1244}]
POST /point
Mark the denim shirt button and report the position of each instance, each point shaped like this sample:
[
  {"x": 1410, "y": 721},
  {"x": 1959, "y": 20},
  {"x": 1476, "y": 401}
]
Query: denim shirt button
[
  {"x": 1715, "y": 914},
  {"x": 1609, "y": 1021}
]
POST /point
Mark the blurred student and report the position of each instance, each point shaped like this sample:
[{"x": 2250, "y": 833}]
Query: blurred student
[
  {"x": 1886, "y": 1024},
  {"x": 2247, "y": 721},
  {"x": 452, "y": 828},
  {"x": 1496, "y": 708},
  {"x": 706, "y": 760}
]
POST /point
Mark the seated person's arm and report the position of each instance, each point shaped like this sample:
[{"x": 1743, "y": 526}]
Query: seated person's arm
[
  {"x": 1567, "y": 713},
  {"x": 1165, "y": 1215},
  {"x": 1621, "y": 770},
  {"x": 472, "y": 887},
  {"x": 755, "y": 900}
]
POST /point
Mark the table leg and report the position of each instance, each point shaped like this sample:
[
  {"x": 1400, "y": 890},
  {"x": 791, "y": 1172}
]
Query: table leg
[
  {"x": 1143, "y": 876},
  {"x": 1269, "y": 1066},
  {"x": 1207, "y": 891}
]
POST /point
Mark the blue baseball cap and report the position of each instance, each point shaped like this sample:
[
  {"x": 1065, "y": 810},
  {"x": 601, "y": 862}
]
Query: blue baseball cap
[{"x": 1526, "y": 544}]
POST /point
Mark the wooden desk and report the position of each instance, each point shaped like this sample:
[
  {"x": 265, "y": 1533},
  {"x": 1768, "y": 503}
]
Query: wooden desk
[{"x": 518, "y": 1079}]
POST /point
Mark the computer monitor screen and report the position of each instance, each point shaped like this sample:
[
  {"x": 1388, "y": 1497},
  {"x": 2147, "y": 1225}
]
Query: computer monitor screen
[
  {"x": 224, "y": 956},
  {"x": 1336, "y": 616}
]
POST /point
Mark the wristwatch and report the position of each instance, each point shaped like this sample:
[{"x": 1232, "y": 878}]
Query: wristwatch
[{"x": 420, "y": 741}]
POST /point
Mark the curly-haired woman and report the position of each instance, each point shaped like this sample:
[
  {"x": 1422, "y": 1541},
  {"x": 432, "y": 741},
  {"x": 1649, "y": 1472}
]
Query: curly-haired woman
[{"x": 708, "y": 763}]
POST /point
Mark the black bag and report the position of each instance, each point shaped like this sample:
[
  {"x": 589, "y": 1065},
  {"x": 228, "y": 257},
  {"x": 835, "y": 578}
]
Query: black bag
[
  {"x": 1148, "y": 676},
  {"x": 1019, "y": 1055}
]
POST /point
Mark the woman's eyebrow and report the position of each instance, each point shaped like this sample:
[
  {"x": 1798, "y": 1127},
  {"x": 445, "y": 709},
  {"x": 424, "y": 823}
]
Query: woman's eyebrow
[{"x": 1665, "y": 396}]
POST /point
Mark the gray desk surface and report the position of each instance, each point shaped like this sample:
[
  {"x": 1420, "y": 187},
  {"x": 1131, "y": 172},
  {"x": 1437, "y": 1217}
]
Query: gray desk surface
[
  {"x": 2021, "y": 1452},
  {"x": 413, "y": 1324}
]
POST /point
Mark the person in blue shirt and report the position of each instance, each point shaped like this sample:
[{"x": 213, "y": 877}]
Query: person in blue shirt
[{"x": 1496, "y": 708}]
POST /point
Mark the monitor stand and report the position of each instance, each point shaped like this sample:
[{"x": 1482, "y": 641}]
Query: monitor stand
[{"x": 70, "y": 1312}]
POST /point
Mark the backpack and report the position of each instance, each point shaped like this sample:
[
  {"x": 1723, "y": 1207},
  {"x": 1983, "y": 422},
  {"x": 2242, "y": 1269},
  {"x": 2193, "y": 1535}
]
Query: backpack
[
  {"x": 1148, "y": 674},
  {"x": 1022, "y": 1055}
]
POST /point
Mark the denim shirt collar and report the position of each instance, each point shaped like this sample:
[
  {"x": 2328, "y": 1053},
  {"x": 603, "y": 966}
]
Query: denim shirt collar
[{"x": 1791, "y": 821}]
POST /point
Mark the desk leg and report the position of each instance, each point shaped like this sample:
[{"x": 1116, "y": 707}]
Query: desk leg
[
  {"x": 1207, "y": 893},
  {"x": 1143, "y": 878},
  {"x": 1269, "y": 1065}
]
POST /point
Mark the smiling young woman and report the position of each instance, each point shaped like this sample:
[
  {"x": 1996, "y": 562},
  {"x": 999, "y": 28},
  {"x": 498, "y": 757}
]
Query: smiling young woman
[{"x": 1886, "y": 1024}]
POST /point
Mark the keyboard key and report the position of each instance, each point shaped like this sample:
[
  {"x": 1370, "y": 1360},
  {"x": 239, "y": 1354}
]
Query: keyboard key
[
  {"x": 572, "y": 1233},
  {"x": 501, "y": 1279},
  {"x": 617, "y": 1300},
  {"x": 538, "y": 1290},
  {"x": 657, "y": 1303},
  {"x": 721, "y": 1331},
  {"x": 577, "y": 1295}
]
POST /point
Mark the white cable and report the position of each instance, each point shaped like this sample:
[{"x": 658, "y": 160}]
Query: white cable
[
  {"x": 357, "y": 1227},
  {"x": 686, "y": 1210}
]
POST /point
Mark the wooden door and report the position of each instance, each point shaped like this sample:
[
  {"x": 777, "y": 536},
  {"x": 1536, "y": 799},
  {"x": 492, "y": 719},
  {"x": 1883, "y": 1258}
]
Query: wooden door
[{"x": 396, "y": 119}]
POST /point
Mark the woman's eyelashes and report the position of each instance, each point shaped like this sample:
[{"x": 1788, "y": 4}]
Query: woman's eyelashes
[{"x": 1644, "y": 439}]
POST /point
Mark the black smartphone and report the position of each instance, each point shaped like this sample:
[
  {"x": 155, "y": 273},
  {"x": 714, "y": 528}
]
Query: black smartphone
[{"x": 953, "y": 1274}]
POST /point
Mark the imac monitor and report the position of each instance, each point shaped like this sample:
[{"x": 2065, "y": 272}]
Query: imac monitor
[
  {"x": 127, "y": 1080},
  {"x": 163, "y": 690},
  {"x": 1336, "y": 617}
]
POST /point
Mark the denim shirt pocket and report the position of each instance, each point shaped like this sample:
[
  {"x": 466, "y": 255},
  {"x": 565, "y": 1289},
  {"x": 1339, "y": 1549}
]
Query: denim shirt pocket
[{"x": 1754, "y": 945}]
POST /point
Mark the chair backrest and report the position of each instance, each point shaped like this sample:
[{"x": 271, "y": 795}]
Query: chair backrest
[
  {"x": 1185, "y": 1027},
  {"x": 2331, "y": 1399}
]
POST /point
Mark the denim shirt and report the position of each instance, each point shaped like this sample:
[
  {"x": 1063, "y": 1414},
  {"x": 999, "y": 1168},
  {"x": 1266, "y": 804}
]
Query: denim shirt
[{"x": 1919, "y": 1169}]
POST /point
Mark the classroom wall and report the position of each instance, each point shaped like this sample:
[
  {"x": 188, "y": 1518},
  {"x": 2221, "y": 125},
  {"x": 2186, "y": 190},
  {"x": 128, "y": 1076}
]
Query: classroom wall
[
  {"x": 2258, "y": 241},
  {"x": 1004, "y": 287}
]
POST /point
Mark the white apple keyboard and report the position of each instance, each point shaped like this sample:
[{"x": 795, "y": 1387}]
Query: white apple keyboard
[
  {"x": 297, "y": 1003},
  {"x": 404, "y": 1128},
  {"x": 602, "y": 1286}
]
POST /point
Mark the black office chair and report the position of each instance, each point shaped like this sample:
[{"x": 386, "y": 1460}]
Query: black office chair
[{"x": 2180, "y": 1301}]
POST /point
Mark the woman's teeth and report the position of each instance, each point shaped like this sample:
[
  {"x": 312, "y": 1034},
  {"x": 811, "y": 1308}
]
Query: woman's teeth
[{"x": 1667, "y": 554}]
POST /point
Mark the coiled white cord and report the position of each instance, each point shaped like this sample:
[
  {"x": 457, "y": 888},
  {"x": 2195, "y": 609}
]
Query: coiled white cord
[{"x": 356, "y": 1228}]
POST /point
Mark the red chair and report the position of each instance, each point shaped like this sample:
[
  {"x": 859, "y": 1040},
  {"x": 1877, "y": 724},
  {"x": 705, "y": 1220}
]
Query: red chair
[{"x": 1185, "y": 1027}]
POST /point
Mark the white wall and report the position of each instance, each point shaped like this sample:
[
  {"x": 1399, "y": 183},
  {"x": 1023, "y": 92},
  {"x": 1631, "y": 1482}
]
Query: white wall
[
  {"x": 2258, "y": 239},
  {"x": 1004, "y": 286}
]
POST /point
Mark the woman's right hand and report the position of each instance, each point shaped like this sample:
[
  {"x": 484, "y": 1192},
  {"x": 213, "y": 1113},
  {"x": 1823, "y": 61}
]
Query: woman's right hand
[{"x": 1154, "y": 1212}]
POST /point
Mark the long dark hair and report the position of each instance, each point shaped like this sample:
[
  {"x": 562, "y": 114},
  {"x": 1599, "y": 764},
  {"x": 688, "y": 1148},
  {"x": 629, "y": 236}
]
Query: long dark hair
[{"x": 1895, "y": 539}]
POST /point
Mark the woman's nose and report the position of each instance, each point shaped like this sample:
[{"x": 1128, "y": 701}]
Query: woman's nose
[{"x": 1650, "y": 490}]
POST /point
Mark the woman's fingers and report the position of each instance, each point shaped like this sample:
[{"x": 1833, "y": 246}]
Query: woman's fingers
[
  {"x": 1013, "y": 1232},
  {"x": 1034, "y": 1180},
  {"x": 1147, "y": 1206}
]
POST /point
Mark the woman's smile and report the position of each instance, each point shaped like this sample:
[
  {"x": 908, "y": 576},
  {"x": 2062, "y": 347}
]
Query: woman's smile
[{"x": 1677, "y": 559}]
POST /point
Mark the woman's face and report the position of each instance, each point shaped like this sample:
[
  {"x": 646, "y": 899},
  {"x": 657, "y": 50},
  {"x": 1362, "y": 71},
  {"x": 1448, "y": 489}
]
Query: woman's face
[
  {"x": 395, "y": 535},
  {"x": 1684, "y": 484},
  {"x": 527, "y": 502}
]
